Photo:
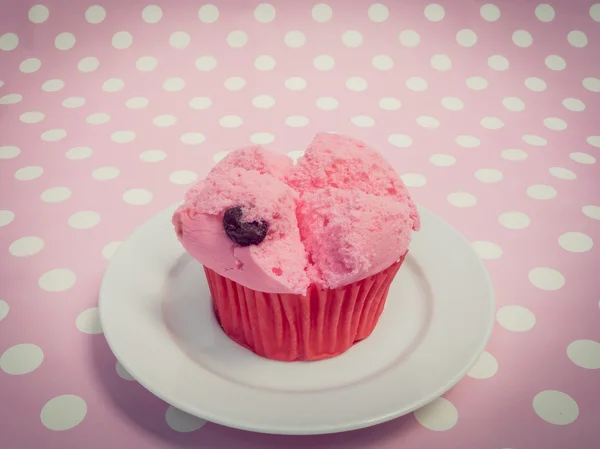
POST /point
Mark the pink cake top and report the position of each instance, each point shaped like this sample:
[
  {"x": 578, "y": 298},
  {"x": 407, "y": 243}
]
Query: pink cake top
[{"x": 340, "y": 215}]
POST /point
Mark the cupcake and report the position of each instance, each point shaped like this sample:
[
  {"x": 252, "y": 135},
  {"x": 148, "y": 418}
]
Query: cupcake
[{"x": 299, "y": 258}]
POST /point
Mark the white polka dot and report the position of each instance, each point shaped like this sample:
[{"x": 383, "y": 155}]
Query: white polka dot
[
  {"x": 295, "y": 155},
  {"x": 97, "y": 118},
  {"x": 28, "y": 173},
  {"x": 4, "y": 309},
  {"x": 137, "y": 197},
  {"x": 555, "y": 123},
  {"x": 513, "y": 104},
  {"x": 263, "y": 101},
  {"x": 6, "y": 217},
  {"x": 183, "y": 177},
  {"x": 541, "y": 192},
  {"x": 485, "y": 367},
  {"x": 413, "y": 179},
  {"x": 593, "y": 141},
  {"x": 522, "y": 38},
  {"x": 164, "y": 120},
  {"x": 32, "y": 117},
  {"x": 179, "y": 39},
  {"x": 146, "y": 63},
  {"x": 400, "y": 140},
  {"x": 441, "y": 62},
  {"x": 10, "y": 99},
  {"x": 595, "y": 12},
  {"x": 515, "y": 318},
  {"x": 562, "y": 173},
  {"x": 53, "y": 135},
  {"x": 382, "y": 62},
  {"x": 105, "y": 173},
  {"x": 262, "y": 138},
  {"x": 63, "y": 412},
  {"x": 477, "y": 82},
  {"x": 461, "y": 199},
  {"x": 555, "y": 62},
  {"x": 9, "y": 152},
  {"x": 57, "y": 280},
  {"x": 409, "y": 38},
  {"x": 439, "y": 415},
  {"x": 110, "y": 249},
  {"x": 546, "y": 278},
  {"x": 324, "y": 62},
  {"x": 356, "y": 84},
  {"x": 466, "y": 37},
  {"x": 174, "y": 84},
  {"x": 88, "y": 321},
  {"x": 352, "y": 39},
  {"x": 88, "y": 64},
  {"x": 122, "y": 372},
  {"x": 237, "y": 39},
  {"x": 78, "y": 153},
  {"x": 64, "y": 41},
  {"x": 53, "y": 85},
  {"x": 73, "y": 102},
  {"x": 152, "y": 14},
  {"x": 378, "y": 12},
  {"x": 492, "y": 123},
  {"x": 206, "y": 63},
  {"x": 264, "y": 13},
  {"x": 295, "y": 83},
  {"x": 390, "y": 104},
  {"x": 452, "y": 103},
  {"x": 327, "y": 103},
  {"x": 235, "y": 83},
  {"x": 199, "y": 103},
  {"x": 416, "y": 84},
  {"x": 513, "y": 155},
  {"x": 534, "y": 140},
  {"x": 362, "y": 121},
  {"x": 9, "y": 41},
  {"x": 21, "y": 359},
  {"x": 582, "y": 158},
  {"x": 514, "y": 220},
  {"x": 322, "y": 13},
  {"x": 208, "y": 14},
  {"x": 55, "y": 195},
  {"x": 467, "y": 141},
  {"x": 95, "y": 14},
  {"x": 180, "y": 421},
  {"x": 192, "y": 138},
  {"x": 585, "y": 353},
  {"x": 26, "y": 246},
  {"x": 38, "y": 14},
  {"x": 591, "y": 84},
  {"x": 498, "y": 63},
  {"x": 487, "y": 250},
  {"x": 590, "y": 211},
  {"x": 84, "y": 219},
  {"x": 573, "y": 104},
  {"x": 122, "y": 40},
  {"x": 30, "y": 65},
  {"x": 577, "y": 38},
  {"x": 428, "y": 122},
  {"x": 442, "y": 160},
  {"x": 488, "y": 175},
  {"x": 231, "y": 121},
  {"x": 434, "y": 12},
  {"x": 296, "y": 121},
  {"x": 535, "y": 84},
  {"x": 264, "y": 63},
  {"x": 123, "y": 136},
  {"x": 218, "y": 157},
  {"x": 575, "y": 242},
  {"x": 113, "y": 85},
  {"x": 555, "y": 407},
  {"x": 544, "y": 12},
  {"x": 153, "y": 156}
]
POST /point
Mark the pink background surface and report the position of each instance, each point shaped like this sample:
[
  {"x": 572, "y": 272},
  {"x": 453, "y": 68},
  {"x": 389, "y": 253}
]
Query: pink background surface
[{"x": 540, "y": 252}]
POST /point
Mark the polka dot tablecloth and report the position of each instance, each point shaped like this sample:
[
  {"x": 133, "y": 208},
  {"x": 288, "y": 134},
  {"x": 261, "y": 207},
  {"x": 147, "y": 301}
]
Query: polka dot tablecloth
[{"x": 110, "y": 109}]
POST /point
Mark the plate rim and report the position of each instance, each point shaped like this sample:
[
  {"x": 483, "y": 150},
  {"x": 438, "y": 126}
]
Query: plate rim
[{"x": 327, "y": 429}]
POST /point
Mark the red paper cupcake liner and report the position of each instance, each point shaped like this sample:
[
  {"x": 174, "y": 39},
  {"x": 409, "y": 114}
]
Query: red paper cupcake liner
[{"x": 321, "y": 324}]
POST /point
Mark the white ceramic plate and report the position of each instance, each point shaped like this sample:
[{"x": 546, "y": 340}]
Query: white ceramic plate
[{"x": 157, "y": 317}]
